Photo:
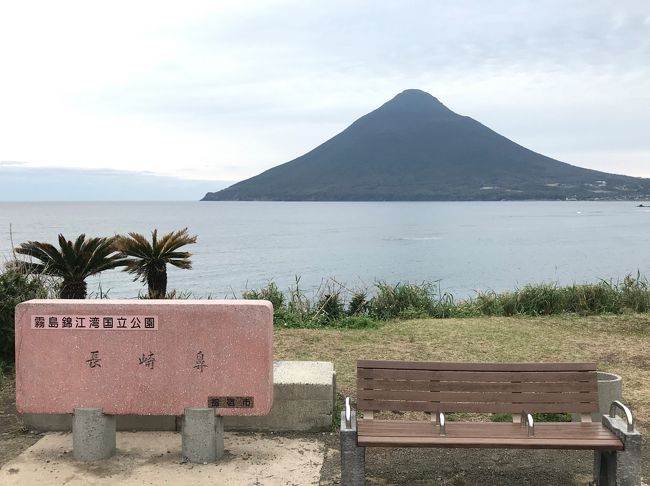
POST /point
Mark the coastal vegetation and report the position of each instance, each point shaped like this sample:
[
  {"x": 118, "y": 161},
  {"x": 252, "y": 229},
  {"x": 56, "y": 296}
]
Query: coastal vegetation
[
  {"x": 148, "y": 260},
  {"x": 16, "y": 287},
  {"x": 337, "y": 306},
  {"x": 72, "y": 262}
]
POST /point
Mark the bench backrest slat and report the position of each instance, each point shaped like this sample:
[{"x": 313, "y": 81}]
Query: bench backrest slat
[{"x": 477, "y": 387}]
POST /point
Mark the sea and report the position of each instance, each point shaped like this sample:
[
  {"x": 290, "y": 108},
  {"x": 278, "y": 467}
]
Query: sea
[{"x": 462, "y": 247}]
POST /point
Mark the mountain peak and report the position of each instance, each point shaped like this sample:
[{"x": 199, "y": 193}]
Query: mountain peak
[
  {"x": 415, "y": 101},
  {"x": 413, "y": 93}
]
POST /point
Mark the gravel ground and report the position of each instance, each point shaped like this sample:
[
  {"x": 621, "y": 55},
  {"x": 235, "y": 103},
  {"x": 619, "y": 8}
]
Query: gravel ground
[{"x": 469, "y": 467}]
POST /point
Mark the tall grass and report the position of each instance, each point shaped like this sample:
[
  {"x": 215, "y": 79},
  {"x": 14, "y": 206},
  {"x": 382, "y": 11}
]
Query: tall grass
[
  {"x": 604, "y": 297},
  {"x": 335, "y": 305}
]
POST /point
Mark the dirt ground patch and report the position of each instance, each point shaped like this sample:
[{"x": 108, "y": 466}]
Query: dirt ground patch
[
  {"x": 14, "y": 438},
  {"x": 154, "y": 458}
]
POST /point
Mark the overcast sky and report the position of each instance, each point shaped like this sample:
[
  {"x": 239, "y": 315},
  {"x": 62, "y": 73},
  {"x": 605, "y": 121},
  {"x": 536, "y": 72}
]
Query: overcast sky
[{"x": 225, "y": 89}]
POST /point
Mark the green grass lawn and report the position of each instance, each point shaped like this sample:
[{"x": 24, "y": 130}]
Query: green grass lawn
[{"x": 617, "y": 343}]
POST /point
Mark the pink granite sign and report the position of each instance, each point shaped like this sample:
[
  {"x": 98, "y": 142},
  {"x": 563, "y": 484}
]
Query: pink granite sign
[{"x": 144, "y": 357}]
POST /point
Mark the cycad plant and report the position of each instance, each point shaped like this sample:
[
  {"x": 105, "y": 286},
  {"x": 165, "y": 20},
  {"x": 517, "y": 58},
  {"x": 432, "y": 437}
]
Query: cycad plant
[
  {"x": 72, "y": 262},
  {"x": 148, "y": 259}
]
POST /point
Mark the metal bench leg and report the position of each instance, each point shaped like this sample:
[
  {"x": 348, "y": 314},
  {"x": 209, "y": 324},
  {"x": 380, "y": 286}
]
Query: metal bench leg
[
  {"x": 619, "y": 468},
  {"x": 353, "y": 457}
]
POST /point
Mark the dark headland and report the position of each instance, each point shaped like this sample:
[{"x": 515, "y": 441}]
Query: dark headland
[{"x": 413, "y": 148}]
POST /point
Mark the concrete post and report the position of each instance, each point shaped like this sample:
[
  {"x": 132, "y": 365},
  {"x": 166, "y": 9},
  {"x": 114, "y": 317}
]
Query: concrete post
[
  {"x": 93, "y": 434},
  {"x": 610, "y": 388},
  {"x": 353, "y": 457},
  {"x": 619, "y": 468},
  {"x": 202, "y": 435}
]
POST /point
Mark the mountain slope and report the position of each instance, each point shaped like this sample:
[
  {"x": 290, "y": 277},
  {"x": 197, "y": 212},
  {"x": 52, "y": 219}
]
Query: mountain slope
[{"x": 415, "y": 148}]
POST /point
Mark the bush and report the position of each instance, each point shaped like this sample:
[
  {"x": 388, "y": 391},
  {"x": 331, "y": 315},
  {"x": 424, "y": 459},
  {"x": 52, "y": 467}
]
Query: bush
[
  {"x": 330, "y": 306},
  {"x": 15, "y": 287},
  {"x": 271, "y": 293},
  {"x": 359, "y": 305},
  {"x": 489, "y": 304},
  {"x": 636, "y": 293},
  {"x": 445, "y": 307},
  {"x": 402, "y": 300},
  {"x": 539, "y": 300},
  {"x": 597, "y": 298}
]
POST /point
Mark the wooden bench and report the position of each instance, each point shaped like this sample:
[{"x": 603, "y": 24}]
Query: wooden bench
[{"x": 520, "y": 389}]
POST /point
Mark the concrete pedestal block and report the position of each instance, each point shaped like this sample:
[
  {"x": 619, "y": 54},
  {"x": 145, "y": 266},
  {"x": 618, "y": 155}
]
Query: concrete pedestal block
[
  {"x": 202, "y": 435},
  {"x": 304, "y": 395},
  {"x": 610, "y": 388},
  {"x": 93, "y": 434},
  {"x": 353, "y": 457},
  {"x": 619, "y": 468},
  {"x": 303, "y": 399}
]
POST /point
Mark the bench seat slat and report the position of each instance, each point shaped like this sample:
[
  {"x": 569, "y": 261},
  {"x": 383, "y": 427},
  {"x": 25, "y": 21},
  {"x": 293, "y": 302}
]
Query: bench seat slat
[
  {"x": 472, "y": 434},
  {"x": 493, "y": 443},
  {"x": 480, "y": 376},
  {"x": 465, "y": 397},
  {"x": 446, "y": 366},
  {"x": 479, "y": 407},
  {"x": 482, "y": 429},
  {"x": 426, "y": 385}
]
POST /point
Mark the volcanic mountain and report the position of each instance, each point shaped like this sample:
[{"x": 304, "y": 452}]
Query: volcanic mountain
[{"x": 415, "y": 148}]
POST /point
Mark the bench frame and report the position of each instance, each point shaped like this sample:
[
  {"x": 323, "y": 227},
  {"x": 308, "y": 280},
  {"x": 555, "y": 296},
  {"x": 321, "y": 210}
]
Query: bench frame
[{"x": 616, "y": 444}]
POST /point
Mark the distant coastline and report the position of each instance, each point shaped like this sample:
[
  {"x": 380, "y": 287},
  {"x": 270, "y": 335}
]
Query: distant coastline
[{"x": 21, "y": 182}]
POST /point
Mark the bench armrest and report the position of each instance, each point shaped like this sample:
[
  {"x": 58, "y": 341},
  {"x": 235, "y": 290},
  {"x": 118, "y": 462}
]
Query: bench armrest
[
  {"x": 348, "y": 413},
  {"x": 629, "y": 418},
  {"x": 440, "y": 416},
  {"x": 527, "y": 420},
  {"x": 348, "y": 418}
]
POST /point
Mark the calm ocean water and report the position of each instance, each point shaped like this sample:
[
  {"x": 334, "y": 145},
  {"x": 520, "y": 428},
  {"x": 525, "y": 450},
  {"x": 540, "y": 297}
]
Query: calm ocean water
[{"x": 467, "y": 246}]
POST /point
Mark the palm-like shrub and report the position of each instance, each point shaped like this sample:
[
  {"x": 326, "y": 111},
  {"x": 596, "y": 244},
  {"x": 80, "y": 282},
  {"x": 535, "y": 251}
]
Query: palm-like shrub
[
  {"x": 72, "y": 262},
  {"x": 148, "y": 259}
]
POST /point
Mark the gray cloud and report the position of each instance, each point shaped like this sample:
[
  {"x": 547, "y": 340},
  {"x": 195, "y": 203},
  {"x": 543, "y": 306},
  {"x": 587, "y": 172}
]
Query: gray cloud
[
  {"x": 560, "y": 75},
  {"x": 297, "y": 43}
]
